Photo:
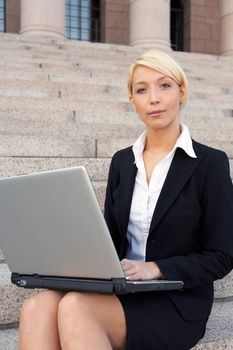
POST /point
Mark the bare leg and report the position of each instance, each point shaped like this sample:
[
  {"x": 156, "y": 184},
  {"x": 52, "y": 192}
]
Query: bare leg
[
  {"x": 38, "y": 322},
  {"x": 91, "y": 321}
]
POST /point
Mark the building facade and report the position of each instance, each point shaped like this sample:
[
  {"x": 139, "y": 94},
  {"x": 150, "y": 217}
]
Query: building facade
[{"x": 203, "y": 26}]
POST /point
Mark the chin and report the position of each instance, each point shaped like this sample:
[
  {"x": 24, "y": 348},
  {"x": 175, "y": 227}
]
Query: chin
[{"x": 162, "y": 125}]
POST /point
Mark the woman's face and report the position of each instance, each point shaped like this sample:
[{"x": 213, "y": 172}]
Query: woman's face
[{"x": 156, "y": 98}]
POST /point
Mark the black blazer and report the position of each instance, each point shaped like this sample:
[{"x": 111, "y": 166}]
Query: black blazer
[{"x": 191, "y": 232}]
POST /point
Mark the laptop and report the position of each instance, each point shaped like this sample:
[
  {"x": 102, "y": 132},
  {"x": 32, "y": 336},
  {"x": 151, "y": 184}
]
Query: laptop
[{"x": 53, "y": 235}]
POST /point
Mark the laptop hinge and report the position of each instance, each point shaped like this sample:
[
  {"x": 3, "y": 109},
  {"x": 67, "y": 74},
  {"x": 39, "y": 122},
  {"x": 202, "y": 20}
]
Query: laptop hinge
[
  {"x": 22, "y": 280},
  {"x": 119, "y": 285},
  {"x": 14, "y": 276}
]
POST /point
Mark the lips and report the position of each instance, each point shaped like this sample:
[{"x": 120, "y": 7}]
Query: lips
[{"x": 156, "y": 112}]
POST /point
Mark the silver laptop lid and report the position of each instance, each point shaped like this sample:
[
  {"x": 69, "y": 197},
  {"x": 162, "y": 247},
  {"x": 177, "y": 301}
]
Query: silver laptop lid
[{"x": 51, "y": 224}]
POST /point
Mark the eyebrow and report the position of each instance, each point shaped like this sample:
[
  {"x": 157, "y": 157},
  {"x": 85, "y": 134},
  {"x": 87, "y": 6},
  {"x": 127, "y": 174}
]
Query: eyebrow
[{"x": 163, "y": 77}]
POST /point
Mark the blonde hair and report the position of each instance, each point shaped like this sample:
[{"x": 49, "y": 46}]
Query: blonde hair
[{"x": 163, "y": 63}]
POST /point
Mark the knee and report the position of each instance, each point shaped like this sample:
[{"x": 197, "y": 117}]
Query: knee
[
  {"x": 72, "y": 302},
  {"x": 41, "y": 303},
  {"x": 30, "y": 305}
]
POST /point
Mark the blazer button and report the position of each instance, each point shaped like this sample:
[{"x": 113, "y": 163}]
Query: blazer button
[{"x": 152, "y": 240}]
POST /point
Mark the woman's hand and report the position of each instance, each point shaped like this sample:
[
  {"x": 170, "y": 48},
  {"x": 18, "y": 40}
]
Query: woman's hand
[{"x": 140, "y": 270}]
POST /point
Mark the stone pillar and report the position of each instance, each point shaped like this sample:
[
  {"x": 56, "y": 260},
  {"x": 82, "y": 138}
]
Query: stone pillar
[
  {"x": 150, "y": 23},
  {"x": 43, "y": 17},
  {"x": 227, "y": 27}
]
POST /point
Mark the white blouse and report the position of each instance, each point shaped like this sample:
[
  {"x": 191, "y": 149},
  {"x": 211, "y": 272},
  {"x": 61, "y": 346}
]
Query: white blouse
[{"x": 146, "y": 196}]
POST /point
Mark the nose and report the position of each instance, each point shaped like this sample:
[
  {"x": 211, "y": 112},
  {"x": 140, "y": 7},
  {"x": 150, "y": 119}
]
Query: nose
[{"x": 154, "y": 96}]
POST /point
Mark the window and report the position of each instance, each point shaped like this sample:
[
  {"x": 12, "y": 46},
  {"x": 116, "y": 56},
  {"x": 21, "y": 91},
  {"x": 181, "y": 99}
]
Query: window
[
  {"x": 177, "y": 41},
  {"x": 83, "y": 20},
  {"x": 2, "y": 15}
]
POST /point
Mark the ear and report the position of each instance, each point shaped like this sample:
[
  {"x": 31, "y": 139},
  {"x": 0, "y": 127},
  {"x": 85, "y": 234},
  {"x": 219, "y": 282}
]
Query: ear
[
  {"x": 181, "y": 93},
  {"x": 131, "y": 100}
]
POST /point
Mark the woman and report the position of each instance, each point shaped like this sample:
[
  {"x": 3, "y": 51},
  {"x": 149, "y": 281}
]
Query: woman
[{"x": 169, "y": 209}]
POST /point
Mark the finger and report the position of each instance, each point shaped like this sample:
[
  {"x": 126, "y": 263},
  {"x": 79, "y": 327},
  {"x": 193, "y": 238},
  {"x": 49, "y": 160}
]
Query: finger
[
  {"x": 135, "y": 277},
  {"x": 130, "y": 272},
  {"x": 127, "y": 264},
  {"x": 129, "y": 268},
  {"x": 123, "y": 261}
]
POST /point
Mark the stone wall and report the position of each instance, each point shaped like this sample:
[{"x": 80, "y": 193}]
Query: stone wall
[
  {"x": 115, "y": 22},
  {"x": 202, "y": 26},
  {"x": 12, "y": 16}
]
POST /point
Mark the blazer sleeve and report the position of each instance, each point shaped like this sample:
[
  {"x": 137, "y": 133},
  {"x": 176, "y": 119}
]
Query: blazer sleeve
[
  {"x": 109, "y": 216},
  {"x": 215, "y": 259}
]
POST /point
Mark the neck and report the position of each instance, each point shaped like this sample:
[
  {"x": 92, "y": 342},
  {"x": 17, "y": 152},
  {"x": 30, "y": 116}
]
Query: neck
[{"x": 163, "y": 139}]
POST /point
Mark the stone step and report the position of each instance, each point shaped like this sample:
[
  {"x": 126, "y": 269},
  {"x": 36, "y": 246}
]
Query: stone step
[
  {"x": 58, "y": 53},
  {"x": 47, "y": 146},
  {"x": 27, "y": 42},
  {"x": 66, "y": 89},
  {"x": 71, "y": 127},
  {"x": 115, "y": 66},
  {"x": 115, "y": 52},
  {"x": 51, "y": 104},
  {"x": 224, "y": 288},
  {"x": 47, "y": 62},
  {"x": 219, "y": 332},
  {"x": 69, "y": 107},
  {"x": 9, "y": 338},
  {"x": 79, "y": 74},
  {"x": 72, "y": 145},
  {"x": 26, "y": 117},
  {"x": 127, "y": 54},
  {"x": 71, "y": 130},
  {"x": 17, "y": 40},
  {"x": 82, "y": 80},
  {"x": 95, "y": 93},
  {"x": 109, "y": 51},
  {"x": 87, "y": 69},
  {"x": 86, "y": 140},
  {"x": 97, "y": 168},
  {"x": 83, "y": 87}
]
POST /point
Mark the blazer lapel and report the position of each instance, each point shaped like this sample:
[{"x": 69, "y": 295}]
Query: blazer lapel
[
  {"x": 180, "y": 170},
  {"x": 124, "y": 192}
]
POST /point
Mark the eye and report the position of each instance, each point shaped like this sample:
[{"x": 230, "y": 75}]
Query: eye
[
  {"x": 140, "y": 91},
  {"x": 165, "y": 86}
]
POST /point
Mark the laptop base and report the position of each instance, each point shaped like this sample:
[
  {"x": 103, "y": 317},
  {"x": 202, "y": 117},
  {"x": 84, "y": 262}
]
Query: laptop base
[{"x": 113, "y": 286}]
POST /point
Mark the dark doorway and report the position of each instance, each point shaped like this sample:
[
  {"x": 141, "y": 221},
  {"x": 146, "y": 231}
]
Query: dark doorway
[{"x": 177, "y": 25}]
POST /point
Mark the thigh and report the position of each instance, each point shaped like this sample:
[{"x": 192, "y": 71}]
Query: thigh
[
  {"x": 105, "y": 309},
  {"x": 38, "y": 321},
  {"x": 153, "y": 323}
]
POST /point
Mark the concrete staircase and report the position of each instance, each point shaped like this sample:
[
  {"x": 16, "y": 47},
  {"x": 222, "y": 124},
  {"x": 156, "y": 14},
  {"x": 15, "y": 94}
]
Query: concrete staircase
[{"x": 64, "y": 103}]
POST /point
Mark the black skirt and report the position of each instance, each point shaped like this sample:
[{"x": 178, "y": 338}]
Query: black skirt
[{"x": 153, "y": 323}]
